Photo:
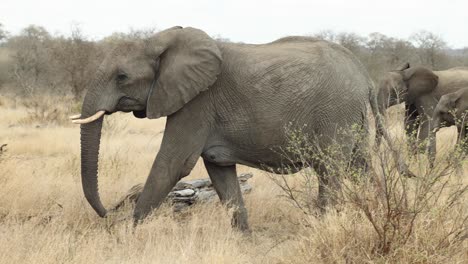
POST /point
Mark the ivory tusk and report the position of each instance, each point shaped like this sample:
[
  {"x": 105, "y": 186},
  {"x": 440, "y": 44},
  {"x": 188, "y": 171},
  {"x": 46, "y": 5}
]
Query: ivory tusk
[
  {"x": 75, "y": 116},
  {"x": 90, "y": 119}
]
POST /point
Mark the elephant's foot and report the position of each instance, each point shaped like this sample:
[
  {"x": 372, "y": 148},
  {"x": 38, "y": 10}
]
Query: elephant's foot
[
  {"x": 240, "y": 220},
  {"x": 326, "y": 199}
]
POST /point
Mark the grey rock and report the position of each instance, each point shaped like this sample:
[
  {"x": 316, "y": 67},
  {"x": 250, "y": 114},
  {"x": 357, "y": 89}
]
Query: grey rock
[{"x": 185, "y": 193}]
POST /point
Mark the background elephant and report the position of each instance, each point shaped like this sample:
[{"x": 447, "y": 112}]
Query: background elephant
[
  {"x": 452, "y": 109},
  {"x": 228, "y": 103},
  {"x": 420, "y": 89}
]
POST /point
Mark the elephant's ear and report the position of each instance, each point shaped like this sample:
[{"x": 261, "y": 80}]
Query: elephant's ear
[
  {"x": 189, "y": 62},
  {"x": 402, "y": 67},
  {"x": 419, "y": 81}
]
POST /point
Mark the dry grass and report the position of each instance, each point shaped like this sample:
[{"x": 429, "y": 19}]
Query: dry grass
[{"x": 44, "y": 217}]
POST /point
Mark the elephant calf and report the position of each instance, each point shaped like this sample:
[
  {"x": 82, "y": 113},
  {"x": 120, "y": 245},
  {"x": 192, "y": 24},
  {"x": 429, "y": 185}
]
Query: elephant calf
[
  {"x": 228, "y": 103},
  {"x": 452, "y": 109}
]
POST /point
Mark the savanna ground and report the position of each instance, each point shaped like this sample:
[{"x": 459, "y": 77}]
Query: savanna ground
[{"x": 44, "y": 217}]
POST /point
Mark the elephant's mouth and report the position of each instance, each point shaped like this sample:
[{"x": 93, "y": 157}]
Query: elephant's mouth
[
  {"x": 140, "y": 114},
  {"x": 127, "y": 104}
]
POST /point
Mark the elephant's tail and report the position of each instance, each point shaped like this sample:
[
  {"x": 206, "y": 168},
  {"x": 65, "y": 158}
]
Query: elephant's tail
[{"x": 377, "y": 112}]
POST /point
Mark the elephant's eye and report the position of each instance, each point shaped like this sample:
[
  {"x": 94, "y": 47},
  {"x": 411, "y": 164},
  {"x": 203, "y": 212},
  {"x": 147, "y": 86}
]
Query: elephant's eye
[{"x": 121, "y": 77}]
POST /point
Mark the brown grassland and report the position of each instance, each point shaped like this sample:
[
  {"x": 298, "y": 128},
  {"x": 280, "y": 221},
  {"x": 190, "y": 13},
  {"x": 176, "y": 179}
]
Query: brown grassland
[{"x": 44, "y": 217}]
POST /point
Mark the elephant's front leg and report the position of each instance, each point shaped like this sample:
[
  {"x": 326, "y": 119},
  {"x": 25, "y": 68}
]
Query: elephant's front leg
[
  {"x": 224, "y": 179},
  {"x": 159, "y": 183},
  {"x": 167, "y": 170},
  {"x": 164, "y": 175},
  {"x": 425, "y": 106},
  {"x": 411, "y": 123},
  {"x": 180, "y": 149}
]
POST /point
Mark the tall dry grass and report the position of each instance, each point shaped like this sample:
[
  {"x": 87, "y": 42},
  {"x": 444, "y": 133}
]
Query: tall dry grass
[{"x": 44, "y": 217}]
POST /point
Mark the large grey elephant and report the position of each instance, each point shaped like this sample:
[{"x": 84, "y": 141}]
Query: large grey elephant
[
  {"x": 228, "y": 103},
  {"x": 452, "y": 109},
  {"x": 420, "y": 89}
]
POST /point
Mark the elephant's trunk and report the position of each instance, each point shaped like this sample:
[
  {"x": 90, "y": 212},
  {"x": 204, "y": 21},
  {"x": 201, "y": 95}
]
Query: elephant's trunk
[
  {"x": 432, "y": 148},
  {"x": 383, "y": 97},
  {"x": 90, "y": 141}
]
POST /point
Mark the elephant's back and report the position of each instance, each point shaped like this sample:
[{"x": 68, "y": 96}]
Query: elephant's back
[
  {"x": 293, "y": 68},
  {"x": 313, "y": 58},
  {"x": 269, "y": 86},
  {"x": 451, "y": 80}
]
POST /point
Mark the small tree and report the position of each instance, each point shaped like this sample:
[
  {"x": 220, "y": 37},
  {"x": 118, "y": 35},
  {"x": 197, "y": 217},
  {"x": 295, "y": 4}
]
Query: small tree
[
  {"x": 3, "y": 33},
  {"x": 4, "y": 63},
  {"x": 133, "y": 34},
  {"x": 219, "y": 37},
  {"x": 327, "y": 35},
  {"x": 76, "y": 58},
  {"x": 430, "y": 48},
  {"x": 465, "y": 56},
  {"x": 386, "y": 53},
  {"x": 392, "y": 51},
  {"x": 351, "y": 41},
  {"x": 30, "y": 58}
]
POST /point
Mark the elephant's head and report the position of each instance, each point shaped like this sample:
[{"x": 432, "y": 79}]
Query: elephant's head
[
  {"x": 452, "y": 109},
  {"x": 151, "y": 78},
  {"x": 405, "y": 84}
]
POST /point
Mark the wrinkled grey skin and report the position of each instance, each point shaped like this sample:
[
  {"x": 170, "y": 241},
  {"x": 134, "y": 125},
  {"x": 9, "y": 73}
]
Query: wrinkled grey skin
[
  {"x": 228, "y": 103},
  {"x": 452, "y": 107},
  {"x": 420, "y": 89}
]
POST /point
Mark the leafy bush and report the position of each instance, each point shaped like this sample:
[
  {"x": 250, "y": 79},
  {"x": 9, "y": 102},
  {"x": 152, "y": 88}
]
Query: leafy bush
[{"x": 420, "y": 216}]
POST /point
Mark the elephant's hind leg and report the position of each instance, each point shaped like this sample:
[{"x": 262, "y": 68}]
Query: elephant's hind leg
[
  {"x": 224, "y": 179},
  {"x": 360, "y": 156},
  {"x": 328, "y": 185}
]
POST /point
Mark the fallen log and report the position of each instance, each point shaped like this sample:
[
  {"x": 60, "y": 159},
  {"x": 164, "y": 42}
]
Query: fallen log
[{"x": 185, "y": 193}]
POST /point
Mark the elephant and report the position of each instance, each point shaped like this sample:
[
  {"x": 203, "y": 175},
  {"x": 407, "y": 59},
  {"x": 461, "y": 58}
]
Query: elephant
[
  {"x": 452, "y": 109},
  {"x": 228, "y": 103},
  {"x": 420, "y": 89}
]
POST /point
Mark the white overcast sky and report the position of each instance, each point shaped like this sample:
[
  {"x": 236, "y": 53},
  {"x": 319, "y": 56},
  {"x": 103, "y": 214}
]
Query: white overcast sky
[{"x": 251, "y": 21}]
